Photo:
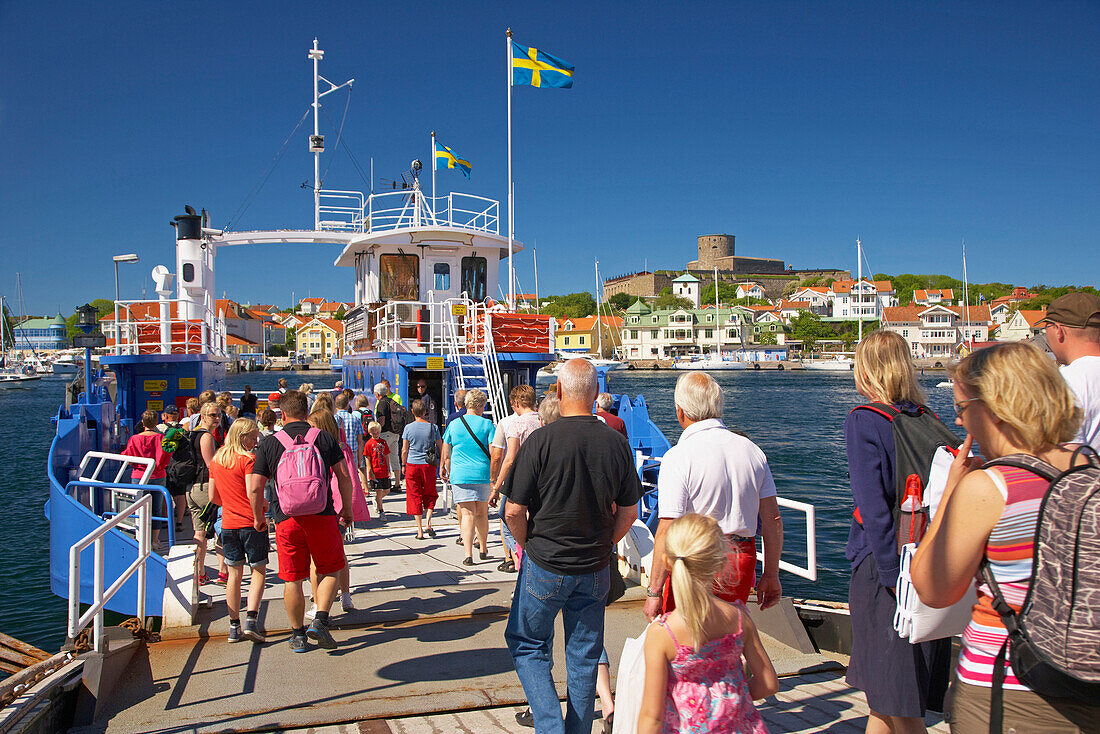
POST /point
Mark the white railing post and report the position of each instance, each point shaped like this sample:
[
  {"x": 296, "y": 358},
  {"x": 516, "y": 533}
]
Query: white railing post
[
  {"x": 97, "y": 627},
  {"x": 810, "y": 571}
]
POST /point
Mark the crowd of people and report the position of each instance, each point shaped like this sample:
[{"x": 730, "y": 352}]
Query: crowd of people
[{"x": 561, "y": 480}]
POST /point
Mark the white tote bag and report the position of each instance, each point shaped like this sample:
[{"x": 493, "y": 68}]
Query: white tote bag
[
  {"x": 630, "y": 684},
  {"x": 917, "y": 622}
]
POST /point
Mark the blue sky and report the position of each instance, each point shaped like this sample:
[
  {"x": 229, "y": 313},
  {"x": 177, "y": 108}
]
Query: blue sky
[{"x": 795, "y": 126}]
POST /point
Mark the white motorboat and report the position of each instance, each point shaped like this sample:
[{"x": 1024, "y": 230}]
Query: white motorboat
[
  {"x": 15, "y": 380},
  {"x": 833, "y": 364},
  {"x": 711, "y": 363}
]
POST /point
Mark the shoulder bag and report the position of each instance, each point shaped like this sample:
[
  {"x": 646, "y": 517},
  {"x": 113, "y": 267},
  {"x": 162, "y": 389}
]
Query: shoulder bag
[{"x": 478, "y": 440}]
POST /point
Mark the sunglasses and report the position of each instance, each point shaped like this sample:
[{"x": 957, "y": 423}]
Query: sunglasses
[{"x": 961, "y": 405}]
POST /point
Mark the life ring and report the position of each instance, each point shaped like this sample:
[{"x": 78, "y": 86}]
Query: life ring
[
  {"x": 780, "y": 367},
  {"x": 756, "y": 365}
]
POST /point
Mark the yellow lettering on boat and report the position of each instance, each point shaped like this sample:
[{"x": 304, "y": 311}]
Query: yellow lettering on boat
[{"x": 154, "y": 385}]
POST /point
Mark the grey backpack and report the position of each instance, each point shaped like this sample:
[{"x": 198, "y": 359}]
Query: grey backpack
[{"x": 1055, "y": 637}]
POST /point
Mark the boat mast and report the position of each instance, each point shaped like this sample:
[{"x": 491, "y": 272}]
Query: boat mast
[
  {"x": 859, "y": 280},
  {"x": 316, "y": 141},
  {"x": 599, "y": 309},
  {"x": 966, "y": 297},
  {"x": 717, "y": 317}
]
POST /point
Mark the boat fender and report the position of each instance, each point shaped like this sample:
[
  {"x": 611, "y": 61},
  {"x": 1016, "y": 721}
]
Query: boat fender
[
  {"x": 780, "y": 368},
  {"x": 756, "y": 365}
]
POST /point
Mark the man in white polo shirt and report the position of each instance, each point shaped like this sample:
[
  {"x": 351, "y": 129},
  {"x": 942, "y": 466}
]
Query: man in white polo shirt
[
  {"x": 713, "y": 471},
  {"x": 1072, "y": 329}
]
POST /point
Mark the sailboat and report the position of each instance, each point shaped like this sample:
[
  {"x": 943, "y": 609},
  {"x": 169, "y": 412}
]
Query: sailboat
[
  {"x": 598, "y": 360},
  {"x": 715, "y": 361},
  {"x": 840, "y": 362},
  {"x": 10, "y": 377}
]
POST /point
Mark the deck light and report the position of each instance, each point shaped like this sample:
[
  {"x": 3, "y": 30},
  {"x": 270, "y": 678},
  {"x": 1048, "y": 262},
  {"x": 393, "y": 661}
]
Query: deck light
[{"x": 86, "y": 318}]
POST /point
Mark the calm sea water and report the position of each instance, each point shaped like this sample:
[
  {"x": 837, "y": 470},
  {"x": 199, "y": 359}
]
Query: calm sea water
[{"x": 797, "y": 418}]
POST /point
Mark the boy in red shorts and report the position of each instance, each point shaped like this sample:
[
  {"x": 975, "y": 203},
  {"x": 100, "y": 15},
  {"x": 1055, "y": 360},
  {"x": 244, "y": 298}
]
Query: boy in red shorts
[
  {"x": 305, "y": 538},
  {"x": 378, "y": 465}
]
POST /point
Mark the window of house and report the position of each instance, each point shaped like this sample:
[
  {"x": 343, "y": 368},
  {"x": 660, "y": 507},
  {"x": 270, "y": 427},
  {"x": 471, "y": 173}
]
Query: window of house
[
  {"x": 566, "y": 342},
  {"x": 633, "y": 319},
  {"x": 399, "y": 277},
  {"x": 442, "y": 273},
  {"x": 580, "y": 340},
  {"x": 634, "y": 334},
  {"x": 654, "y": 333},
  {"x": 710, "y": 317},
  {"x": 708, "y": 334},
  {"x": 473, "y": 277}
]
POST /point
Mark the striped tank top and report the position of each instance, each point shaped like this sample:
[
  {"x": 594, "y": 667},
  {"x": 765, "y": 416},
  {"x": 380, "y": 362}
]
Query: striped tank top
[{"x": 1009, "y": 551}]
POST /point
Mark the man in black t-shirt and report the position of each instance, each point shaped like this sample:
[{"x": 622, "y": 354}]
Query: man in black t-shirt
[
  {"x": 248, "y": 403},
  {"x": 572, "y": 494},
  {"x": 303, "y": 539}
]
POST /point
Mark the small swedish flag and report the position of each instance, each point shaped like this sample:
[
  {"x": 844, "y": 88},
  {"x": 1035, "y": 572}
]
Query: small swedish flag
[
  {"x": 446, "y": 158},
  {"x": 539, "y": 69}
]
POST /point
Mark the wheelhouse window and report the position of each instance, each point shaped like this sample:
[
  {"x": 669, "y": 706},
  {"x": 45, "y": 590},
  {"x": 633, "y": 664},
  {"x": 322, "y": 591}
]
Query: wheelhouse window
[
  {"x": 442, "y": 273},
  {"x": 399, "y": 277},
  {"x": 474, "y": 271}
]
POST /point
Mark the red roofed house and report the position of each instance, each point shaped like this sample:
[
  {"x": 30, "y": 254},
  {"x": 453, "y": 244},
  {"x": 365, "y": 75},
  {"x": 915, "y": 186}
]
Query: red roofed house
[
  {"x": 789, "y": 310},
  {"x": 749, "y": 290},
  {"x": 819, "y": 297},
  {"x": 938, "y": 331},
  {"x": 932, "y": 297},
  {"x": 864, "y": 300},
  {"x": 310, "y": 306},
  {"x": 1023, "y": 325},
  {"x": 321, "y": 339}
]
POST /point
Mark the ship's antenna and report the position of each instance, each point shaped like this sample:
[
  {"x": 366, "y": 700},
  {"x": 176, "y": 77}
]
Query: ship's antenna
[{"x": 317, "y": 140}]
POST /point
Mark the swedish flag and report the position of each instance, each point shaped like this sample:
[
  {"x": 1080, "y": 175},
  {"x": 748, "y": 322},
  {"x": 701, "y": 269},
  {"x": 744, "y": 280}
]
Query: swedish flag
[
  {"x": 539, "y": 69},
  {"x": 446, "y": 158}
]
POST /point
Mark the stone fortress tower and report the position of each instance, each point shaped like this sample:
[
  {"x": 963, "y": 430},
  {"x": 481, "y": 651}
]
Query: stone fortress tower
[{"x": 712, "y": 247}]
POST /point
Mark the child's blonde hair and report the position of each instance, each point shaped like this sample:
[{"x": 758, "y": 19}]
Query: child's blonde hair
[
  {"x": 374, "y": 426},
  {"x": 234, "y": 442},
  {"x": 697, "y": 552}
]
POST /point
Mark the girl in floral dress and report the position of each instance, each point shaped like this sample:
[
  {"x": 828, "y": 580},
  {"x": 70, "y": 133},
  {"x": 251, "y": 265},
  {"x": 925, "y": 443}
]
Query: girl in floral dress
[{"x": 694, "y": 677}]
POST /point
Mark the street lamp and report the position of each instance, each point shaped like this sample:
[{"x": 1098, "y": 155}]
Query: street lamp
[{"x": 129, "y": 258}]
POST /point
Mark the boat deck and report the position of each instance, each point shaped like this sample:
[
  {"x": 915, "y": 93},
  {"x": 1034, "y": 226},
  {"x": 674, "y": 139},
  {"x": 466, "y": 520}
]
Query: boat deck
[{"x": 427, "y": 639}]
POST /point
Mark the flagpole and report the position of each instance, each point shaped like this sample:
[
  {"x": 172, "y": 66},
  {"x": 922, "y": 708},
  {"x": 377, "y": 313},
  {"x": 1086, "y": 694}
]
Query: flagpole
[
  {"x": 432, "y": 159},
  {"x": 535, "y": 257},
  {"x": 511, "y": 196},
  {"x": 966, "y": 297}
]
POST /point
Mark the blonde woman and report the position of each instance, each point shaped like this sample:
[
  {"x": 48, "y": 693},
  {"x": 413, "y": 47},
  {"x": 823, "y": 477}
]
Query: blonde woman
[
  {"x": 901, "y": 680},
  {"x": 306, "y": 388},
  {"x": 1012, "y": 401},
  {"x": 203, "y": 446},
  {"x": 695, "y": 679},
  {"x": 244, "y": 528},
  {"x": 465, "y": 464}
]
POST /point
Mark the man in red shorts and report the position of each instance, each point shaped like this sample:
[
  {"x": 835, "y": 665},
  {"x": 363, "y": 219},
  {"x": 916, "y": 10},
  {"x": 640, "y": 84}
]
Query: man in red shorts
[
  {"x": 713, "y": 471},
  {"x": 305, "y": 538}
]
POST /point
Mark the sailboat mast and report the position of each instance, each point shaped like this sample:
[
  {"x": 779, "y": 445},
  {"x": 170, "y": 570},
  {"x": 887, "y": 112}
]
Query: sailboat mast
[
  {"x": 599, "y": 308},
  {"x": 717, "y": 316},
  {"x": 859, "y": 280},
  {"x": 966, "y": 297}
]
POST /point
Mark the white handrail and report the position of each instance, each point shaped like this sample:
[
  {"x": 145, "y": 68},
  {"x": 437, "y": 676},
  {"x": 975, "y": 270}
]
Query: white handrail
[
  {"x": 124, "y": 464},
  {"x": 143, "y": 506},
  {"x": 810, "y": 571}
]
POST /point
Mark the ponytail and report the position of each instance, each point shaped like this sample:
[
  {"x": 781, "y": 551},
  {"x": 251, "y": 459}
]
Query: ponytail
[{"x": 697, "y": 552}]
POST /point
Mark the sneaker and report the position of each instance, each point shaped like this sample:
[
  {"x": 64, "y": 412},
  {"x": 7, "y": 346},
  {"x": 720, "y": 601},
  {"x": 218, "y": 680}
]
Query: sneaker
[
  {"x": 252, "y": 631},
  {"x": 311, "y": 612},
  {"x": 525, "y": 718},
  {"x": 318, "y": 632},
  {"x": 235, "y": 632},
  {"x": 346, "y": 602},
  {"x": 298, "y": 643},
  {"x": 223, "y": 579}
]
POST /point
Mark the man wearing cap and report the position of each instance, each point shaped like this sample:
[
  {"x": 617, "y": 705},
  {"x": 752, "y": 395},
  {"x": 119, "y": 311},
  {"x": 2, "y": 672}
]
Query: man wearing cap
[
  {"x": 170, "y": 418},
  {"x": 1072, "y": 329}
]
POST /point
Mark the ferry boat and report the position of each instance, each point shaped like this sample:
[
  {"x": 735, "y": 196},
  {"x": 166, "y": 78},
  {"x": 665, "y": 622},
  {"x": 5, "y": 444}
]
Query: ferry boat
[{"x": 428, "y": 634}]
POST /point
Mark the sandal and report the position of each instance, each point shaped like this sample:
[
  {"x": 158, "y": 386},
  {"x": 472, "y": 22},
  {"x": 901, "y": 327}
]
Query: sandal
[
  {"x": 507, "y": 567},
  {"x": 485, "y": 556},
  {"x": 468, "y": 562},
  {"x": 420, "y": 537},
  {"x": 203, "y": 580},
  {"x": 430, "y": 532}
]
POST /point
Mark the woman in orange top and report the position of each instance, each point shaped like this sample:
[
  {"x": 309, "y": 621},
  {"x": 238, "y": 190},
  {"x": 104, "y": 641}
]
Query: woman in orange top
[{"x": 244, "y": 528}]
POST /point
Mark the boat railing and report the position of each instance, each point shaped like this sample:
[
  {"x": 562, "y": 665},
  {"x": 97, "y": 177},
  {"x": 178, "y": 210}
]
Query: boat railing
[
  {"x": 341, "y": 211},
  {"x": 647, "y": 507},
  {"x": 350, "y": 211},
  {"x": 108, "y": 497},
  {"x": 156, "y": 327},
  {"x": 427, "y": 326},
  {"x": 142, "y": 507}
]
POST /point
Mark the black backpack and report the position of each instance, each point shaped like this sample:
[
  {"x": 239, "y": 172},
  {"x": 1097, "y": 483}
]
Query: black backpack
[
  {"x": 186, "y": 465},
  {"x": 399, "y": 417},
  {"x": 1055, "y": 638},
  {"x": 918, "y": 436}
]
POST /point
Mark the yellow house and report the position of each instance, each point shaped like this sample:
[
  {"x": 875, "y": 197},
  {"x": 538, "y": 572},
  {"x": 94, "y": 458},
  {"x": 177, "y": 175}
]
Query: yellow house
[
  {"x": 581, "y": 335},
  {"x": 320, "y": 339}
]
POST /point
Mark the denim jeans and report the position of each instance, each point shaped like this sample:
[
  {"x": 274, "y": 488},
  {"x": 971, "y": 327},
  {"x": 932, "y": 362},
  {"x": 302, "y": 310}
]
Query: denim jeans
[
  {"x": 505, "y": 531},
  {"x": 540, "y": 595}
]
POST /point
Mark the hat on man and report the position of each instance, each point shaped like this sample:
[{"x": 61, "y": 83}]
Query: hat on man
[
  {"x": 274, "y": 397},
  {"x": 1077, "y": 310},
  {"x": 171, "y": 410}
]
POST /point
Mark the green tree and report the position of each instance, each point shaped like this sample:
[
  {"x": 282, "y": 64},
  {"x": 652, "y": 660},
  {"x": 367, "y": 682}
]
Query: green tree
[
  {"x": 340, "y": 313},
  {"x": 572, "y": 306},
  {"x": 766, "y": 337},
  {"x": 808, "y": 328},
  {"x": 622, "y": 301},
  {"x": 665, "y": 299},
  {"x": 727, "y": 293},
  {"x": 103, "y": 306}
]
